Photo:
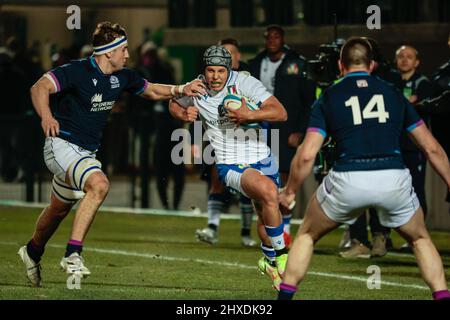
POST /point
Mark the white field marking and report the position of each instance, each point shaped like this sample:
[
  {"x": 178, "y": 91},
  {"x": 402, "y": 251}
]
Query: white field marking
[
  {"x": 162, "y": 212},
  {"x": 231, "y": 264},
  {"x": 157, "y": 212}
]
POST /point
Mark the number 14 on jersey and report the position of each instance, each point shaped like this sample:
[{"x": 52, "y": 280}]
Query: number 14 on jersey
[{"x": 376, "y": 102}]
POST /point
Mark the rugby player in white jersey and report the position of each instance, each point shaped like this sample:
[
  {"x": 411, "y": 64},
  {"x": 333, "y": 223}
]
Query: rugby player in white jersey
[
  {"x": 83, "y": 94},
  {"x": 244, "y": 162}
]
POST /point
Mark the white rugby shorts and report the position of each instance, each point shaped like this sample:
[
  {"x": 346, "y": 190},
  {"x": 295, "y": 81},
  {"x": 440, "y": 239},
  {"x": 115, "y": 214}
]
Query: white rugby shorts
[
  {"x": 343, "y": 195},
  {"x": 59, "y": 154}
]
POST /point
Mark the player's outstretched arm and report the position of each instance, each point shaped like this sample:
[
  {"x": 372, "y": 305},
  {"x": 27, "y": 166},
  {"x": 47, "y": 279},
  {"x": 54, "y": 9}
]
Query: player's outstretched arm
[
  {"x": 156, "y": 91},
  {"x": 433, "y": 151},
  {"x": 40, "y": 93},
  {"x": 188, "y": 114},
  {"x": 301, "y": 166}
]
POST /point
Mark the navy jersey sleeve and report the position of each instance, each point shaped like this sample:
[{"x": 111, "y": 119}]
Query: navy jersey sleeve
[
  {"x": 412, "y": 119},
  {"x": 135, "y": 83},
  {"x": 317, "y": 121},
  {"x": 63, "y": 77}
]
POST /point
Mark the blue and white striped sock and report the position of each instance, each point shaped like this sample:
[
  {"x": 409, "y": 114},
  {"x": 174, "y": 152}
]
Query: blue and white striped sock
[
  {"x": 276, "y": 236},
  {"x": 247, "y": 215},
  {"x": 216, "y": 203},
  {"x": 268, "y": 252}
]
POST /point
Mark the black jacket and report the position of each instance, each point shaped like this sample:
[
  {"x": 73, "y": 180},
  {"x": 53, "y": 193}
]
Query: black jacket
[
  {"x": 295, "y": 92},
  {"x": 420, "y": 86},
  {"x": 292, "y": 88},
  {"x": 440, "y": 123}
]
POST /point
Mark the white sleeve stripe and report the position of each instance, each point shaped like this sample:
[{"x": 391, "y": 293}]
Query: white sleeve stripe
[{"x": 49, "y": 77}]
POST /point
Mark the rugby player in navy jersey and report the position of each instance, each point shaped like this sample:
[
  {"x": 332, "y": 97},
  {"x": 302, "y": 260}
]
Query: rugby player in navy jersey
[
  {"x": 84, "y": 92},
  {"x": 366, "y": 117}
]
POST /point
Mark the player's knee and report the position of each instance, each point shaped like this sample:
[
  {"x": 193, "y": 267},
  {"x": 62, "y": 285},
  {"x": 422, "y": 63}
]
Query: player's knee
[
  {"x": 269, "y": 193},
  {"x": 98, "y": 186},
  {"x": 418, "y": 239}
]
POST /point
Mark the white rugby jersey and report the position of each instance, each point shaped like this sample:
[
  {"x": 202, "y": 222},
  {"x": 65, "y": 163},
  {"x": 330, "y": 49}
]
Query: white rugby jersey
[{"x": 232, "y": 145}]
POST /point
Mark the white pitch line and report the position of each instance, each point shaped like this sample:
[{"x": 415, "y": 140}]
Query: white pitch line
[
  {"x": 232, "y": 265},
  {"x": 157, "y": 212}
]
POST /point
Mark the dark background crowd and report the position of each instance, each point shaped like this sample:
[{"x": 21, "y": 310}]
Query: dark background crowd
[{"x": 136, "y": 143}]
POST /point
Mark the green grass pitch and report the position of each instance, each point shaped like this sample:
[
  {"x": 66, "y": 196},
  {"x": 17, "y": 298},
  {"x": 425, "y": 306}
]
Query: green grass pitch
[{"x": 157, "y": 257}]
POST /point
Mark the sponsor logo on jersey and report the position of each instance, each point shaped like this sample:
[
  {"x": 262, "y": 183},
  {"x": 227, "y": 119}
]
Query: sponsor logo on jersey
[
  {"x": 99, "y": 105},
  {"x": 95, "y": 82},
  {"x": 114, "y": 82},
  {"x": 98, "y": 97}
]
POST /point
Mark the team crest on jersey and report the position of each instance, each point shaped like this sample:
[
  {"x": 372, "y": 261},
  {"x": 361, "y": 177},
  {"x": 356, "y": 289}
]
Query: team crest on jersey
[
  {"x": 362, "y": 83},
  {"x": 292, "y": 69},
  {"x": 114, "y": 82}
]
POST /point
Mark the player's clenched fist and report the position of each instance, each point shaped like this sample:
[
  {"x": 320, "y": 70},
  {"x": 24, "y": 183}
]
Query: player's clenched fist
[{"x": 190, "y": 114}]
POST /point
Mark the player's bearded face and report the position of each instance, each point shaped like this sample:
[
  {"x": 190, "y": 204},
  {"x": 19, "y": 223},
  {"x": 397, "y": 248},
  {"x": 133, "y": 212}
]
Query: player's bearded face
[
  {"x": 119, "y": 57},
  {"x": 216, "y": 77}
]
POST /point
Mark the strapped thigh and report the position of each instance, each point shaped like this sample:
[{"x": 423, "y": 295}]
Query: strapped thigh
[
  {"x": 80, "y": 170},
  {"x": 65, "y": 192}
]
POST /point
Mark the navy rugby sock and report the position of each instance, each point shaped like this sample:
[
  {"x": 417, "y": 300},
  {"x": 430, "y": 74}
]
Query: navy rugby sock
[
  {"x": 73, "y": 246},
  {"x": 34, "y": 251},
  {"x": 286, "y": 291}
]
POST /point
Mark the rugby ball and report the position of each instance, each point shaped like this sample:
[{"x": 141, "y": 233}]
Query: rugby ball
[{"x": 233, "y": 101}]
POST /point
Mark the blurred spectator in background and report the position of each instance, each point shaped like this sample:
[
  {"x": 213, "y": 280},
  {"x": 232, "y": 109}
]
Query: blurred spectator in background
[
  {"x": 233, "y": 46},
  {"x": 415, "y": 87},
  {"x": 27, "y": 60},
  {"x": 14, "y": 91},
  {"x": 155, "y": 69},
  {"x": 62, "y": 57},
  {"x": 86, "y": 51},
  {"x": 282, "y": 71},
  {"x": 440, "y": 122}
]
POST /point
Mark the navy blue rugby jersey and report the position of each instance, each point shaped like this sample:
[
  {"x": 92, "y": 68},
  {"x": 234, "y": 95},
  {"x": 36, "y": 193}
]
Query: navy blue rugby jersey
[
  {"x": 85, "y": 97},
  {"x": 366, "y": 116}
]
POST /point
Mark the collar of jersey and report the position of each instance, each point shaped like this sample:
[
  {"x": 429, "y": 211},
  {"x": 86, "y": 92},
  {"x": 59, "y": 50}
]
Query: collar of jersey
[
  {"x": 357, "y": 74},
  {"x": 230, "y": 76},
  {"x": 95, "y": 65}
]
